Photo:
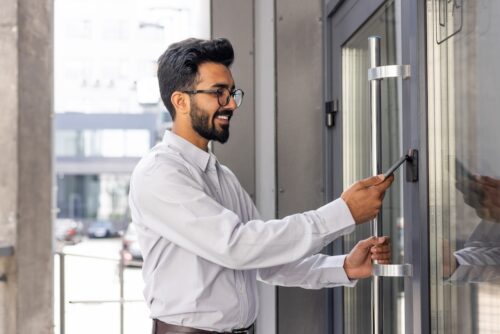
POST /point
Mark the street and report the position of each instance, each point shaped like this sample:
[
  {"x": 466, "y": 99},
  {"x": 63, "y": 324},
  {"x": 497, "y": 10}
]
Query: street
[{"x": 92, "y": 291}]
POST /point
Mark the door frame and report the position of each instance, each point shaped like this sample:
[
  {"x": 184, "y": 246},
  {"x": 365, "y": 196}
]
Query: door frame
[{"x": 346, "y": 17}]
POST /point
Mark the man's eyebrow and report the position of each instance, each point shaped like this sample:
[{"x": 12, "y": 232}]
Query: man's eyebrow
[{"x": 223, "y": 85}]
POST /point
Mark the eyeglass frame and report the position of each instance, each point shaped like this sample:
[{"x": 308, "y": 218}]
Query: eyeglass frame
[{"x": 217, "y": 91}]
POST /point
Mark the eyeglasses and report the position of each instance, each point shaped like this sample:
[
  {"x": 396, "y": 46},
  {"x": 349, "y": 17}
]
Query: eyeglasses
[{"x": 223, "y": 95}]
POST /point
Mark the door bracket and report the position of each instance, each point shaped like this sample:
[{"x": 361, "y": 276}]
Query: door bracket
[
  {"x": 389, "y": 71},
  {"x": 412, "y": 166},
  {"x": 331, "y": 110}
]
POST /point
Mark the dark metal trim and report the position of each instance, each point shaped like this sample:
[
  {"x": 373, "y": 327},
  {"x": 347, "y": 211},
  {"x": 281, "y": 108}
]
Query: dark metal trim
[
  {"x": 331, "y": 6},
  {"x": 417, "y": 291}
]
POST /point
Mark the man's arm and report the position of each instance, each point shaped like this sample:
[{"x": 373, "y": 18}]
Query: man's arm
[
  {"x": 322, "y": 271},
  {"x": 167, "y": 201}
]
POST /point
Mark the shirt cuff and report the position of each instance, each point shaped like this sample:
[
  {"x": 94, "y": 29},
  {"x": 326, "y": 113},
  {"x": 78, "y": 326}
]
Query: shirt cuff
[
  {"x": 337, "y": 275},
  {"x": 337, "y": 216}
]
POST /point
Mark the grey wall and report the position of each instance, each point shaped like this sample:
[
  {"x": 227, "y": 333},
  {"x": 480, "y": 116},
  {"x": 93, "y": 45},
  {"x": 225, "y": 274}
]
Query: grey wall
[
  {"x": 289, "y": 50},
  {"x": 299, "y": 142},
  {"x": 233, "y": 19},
  {"x": 251, "y": 150},
  {"x": 25, "y": 166}
]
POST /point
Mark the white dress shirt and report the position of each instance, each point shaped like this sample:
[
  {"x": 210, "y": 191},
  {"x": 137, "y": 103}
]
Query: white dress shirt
[
  {"x": 479, "y": 260},
  {"x": 204, "y": 246}
]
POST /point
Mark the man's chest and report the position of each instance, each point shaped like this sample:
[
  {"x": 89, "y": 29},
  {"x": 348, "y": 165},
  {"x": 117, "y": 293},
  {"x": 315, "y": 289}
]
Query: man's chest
[{"x": 221, "y": 188}]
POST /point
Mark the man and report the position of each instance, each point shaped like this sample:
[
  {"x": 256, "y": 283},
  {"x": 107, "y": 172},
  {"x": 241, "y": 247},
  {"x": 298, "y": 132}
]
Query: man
[{"x": 203, "y": 243}]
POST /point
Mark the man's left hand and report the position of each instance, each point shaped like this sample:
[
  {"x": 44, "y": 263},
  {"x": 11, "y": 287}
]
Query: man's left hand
[{"x": 358, "y": 263}]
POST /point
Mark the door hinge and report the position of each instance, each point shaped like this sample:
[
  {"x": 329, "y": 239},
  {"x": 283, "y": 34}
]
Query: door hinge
[{"x": 331, "y": 110}]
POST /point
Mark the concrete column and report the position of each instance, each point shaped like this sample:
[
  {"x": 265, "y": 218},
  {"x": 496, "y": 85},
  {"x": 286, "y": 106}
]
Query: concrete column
[
  {"x": 8, "y": 159},
  {"x": 25, "y": 165},
  {"x": 265, "y": 142}
]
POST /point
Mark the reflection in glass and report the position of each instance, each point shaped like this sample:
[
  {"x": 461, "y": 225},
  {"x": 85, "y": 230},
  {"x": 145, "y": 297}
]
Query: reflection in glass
[{"x": 464, "y": 166}]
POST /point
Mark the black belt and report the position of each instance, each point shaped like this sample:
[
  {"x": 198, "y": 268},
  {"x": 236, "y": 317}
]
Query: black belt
[{"x": 160, "y": 327}]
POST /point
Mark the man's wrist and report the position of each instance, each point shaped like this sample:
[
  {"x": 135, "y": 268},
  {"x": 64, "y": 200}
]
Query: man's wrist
[{"x": 348, "y": 268}]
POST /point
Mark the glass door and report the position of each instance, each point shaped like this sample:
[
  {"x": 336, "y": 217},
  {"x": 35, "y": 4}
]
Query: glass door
[
  {"x": 351, "y": 148},
  {"x": 464, "y": 165},
  {"x": 357, "y": 162}
]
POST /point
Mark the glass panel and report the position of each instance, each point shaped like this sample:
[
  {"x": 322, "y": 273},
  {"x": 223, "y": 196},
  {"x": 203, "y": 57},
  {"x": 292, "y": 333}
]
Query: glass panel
[
  {"x": 464, "y": 165},
  {"x": 68, "y": 143},
  {"x": 357, "y": 161}
]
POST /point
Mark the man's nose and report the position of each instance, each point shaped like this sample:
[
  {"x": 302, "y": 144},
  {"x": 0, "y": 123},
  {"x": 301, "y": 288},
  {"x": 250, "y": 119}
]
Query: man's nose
[{"x": 232, "y": 103}]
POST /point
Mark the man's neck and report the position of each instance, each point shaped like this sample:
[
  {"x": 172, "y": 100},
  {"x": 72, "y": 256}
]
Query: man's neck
[{"x": 191, "y": 136}]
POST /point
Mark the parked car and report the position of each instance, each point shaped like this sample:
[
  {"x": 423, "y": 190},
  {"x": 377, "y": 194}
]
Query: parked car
[
  {"x": 102, "y": 229},
  {"x": 131, "y": 253},
  {"x": 68, "y": 231}
]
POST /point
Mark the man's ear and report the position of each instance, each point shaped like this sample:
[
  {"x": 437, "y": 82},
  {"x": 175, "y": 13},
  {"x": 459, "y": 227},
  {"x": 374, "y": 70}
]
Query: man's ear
[{"x": 181, "y": 102}]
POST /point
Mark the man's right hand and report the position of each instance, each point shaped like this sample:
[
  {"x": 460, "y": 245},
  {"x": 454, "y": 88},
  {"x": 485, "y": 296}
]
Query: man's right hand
[{"x": 364, "y": 198}]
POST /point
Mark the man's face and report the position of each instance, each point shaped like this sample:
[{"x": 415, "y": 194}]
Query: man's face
[{"x": 208, "y": 118}]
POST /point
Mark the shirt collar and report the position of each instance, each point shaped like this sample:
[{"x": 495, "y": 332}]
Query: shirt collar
[{"x": 189, "y": 151}]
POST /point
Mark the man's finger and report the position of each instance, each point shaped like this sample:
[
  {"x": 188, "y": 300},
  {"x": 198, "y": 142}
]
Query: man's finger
[
  {"x": 383, "y": 240},
  {"x": 381, "y": 249},
  {"x": 489, "y": 181},
  {"x": 373, "y": 241},
  {"x": 386, "y": 183},
  {"x": 384, "y": 261},
  {"x": 371, "y": 181},
  {"x": 383, "y": 256},
  {"x": 368, "y": 243}
]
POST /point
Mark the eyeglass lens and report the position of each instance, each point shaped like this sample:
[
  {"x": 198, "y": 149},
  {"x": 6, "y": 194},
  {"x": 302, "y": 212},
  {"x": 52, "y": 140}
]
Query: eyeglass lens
[{"x": 226, "y": 96}]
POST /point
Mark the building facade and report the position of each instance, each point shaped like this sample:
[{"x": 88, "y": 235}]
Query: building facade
[
  {"x": 306, "y": 132},
  {"x": 108, "y": 110}
]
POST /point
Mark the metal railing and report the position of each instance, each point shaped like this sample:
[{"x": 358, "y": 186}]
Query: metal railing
[{"x": 62, "y": 289}]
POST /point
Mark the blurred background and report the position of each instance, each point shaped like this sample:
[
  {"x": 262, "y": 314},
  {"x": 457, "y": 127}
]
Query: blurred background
[
  {"x": 80, "y": 105},
  {"x": 107, "y": 114}
]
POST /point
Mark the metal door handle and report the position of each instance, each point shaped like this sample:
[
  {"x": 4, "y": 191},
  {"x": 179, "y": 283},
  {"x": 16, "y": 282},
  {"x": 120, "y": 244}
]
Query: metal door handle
[
  {"x": 389, "y": 71},
  {"x": 392, "y": 270},
  {"x": 376, "y": 73}
]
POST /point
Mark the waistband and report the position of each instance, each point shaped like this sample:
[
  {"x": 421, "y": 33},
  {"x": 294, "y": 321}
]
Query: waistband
[{"x": 160, "y": 327}]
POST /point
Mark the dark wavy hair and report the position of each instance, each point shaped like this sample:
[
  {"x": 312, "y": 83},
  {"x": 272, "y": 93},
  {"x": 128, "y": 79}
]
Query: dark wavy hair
[{"x": 178, "y": 65}]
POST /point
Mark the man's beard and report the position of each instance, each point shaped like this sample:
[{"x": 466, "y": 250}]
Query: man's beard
[{"x": 205, "y": 126}]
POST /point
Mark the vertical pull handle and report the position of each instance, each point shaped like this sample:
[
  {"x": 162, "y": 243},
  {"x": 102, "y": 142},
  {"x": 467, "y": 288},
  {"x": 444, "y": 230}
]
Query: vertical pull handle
[
  {"x": 375, "y": 107},
  {"x": 376, "y": 73}
]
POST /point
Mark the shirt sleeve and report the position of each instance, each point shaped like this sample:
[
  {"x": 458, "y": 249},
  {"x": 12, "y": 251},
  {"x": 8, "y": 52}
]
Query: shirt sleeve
[
  {"x": 167, "y": 200},
  {"x": 314, "y": 272}
]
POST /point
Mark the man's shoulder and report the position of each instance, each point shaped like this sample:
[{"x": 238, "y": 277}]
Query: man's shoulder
[
  {"x": 227, "y": 170},
  {"x": 161, "y": 159}
]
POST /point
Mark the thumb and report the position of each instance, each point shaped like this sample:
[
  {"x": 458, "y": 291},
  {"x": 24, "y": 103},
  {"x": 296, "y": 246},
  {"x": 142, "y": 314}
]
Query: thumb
[
  {"x": 371, "y": 181},
  {"x": 368, "y": 243},
  {"x": 382, "y": 240}
]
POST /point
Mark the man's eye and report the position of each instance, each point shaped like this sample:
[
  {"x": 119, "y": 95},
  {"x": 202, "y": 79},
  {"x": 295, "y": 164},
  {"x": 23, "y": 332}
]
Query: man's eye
[{"x": 219, "y": 92}]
